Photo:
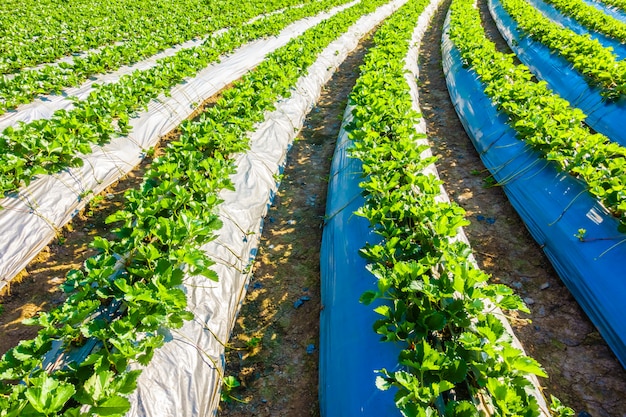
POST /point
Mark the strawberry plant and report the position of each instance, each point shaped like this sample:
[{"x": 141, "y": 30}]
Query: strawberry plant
[
  {"x": 592, "y": 18},
  {"x": 23, "y": 87},
  {"x": 620, "y": 4},
  {"x": 39, "y": 33},
  {"x": 438, "y": 305},
  {"x": 106, "y": 112}
]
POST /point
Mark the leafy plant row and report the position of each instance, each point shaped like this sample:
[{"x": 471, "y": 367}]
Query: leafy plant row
[
  {"x": 620, "y": 4},
  {"x": 436, "y": 302},
  {"x": 38, "y": 32},
  {"x": 592, "y": 18},
  {"x": 596, "y": 63},
  {"x": 49, "y": 145},
  {"x": 24, "y": 86},
  {"x": 159, "y": 237},
  {"x": 546, "y": 121}
]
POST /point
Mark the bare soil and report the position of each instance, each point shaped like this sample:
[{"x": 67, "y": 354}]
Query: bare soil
[{"x": 274, "y": 348}]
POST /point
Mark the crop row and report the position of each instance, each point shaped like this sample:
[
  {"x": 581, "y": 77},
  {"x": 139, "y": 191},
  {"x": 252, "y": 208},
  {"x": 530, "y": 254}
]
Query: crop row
[
  {"x": 160, "y": 234},
  {"x": 23, "y": 87},
  {"x": 620, "y": 4},
  {"x": 592, "y": 18},
  {"x": 547, "y": 122},
  {"x": 49, "y": 145},
  {"x": 437, "y": 301},
  {"x": 595, "y": 62},
  {"x": 34, "y": 33}
]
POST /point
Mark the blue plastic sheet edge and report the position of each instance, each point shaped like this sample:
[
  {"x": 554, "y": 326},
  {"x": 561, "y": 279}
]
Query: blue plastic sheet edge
[
  {"x": 603, "y": 116},
  {"x": 350, "y": 350},
  {"x": 552, "y": 204}
]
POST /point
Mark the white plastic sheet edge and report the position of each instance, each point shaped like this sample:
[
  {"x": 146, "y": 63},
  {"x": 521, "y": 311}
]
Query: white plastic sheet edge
[
  {"x": 31, "y": 218},
  {"x": 184, "y": 377}
]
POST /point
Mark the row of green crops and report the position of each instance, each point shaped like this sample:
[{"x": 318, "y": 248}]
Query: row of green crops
[
  {"x": 591, "y": 59},
  {"x": 43, "y": 31},
  {"x": 437, "y": 301},
  {"x": 162, "y": 228},
  {"x": 543, "y": 119},
  {"x": 592, "y": 18},
  {"x": 28, "y": 84},
  {"x": 620, "y": 4},
  {"x": 48, "y": 145}
]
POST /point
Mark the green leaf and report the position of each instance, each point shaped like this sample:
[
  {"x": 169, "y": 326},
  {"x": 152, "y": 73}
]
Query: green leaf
[
  {"x": 97, "y": 385},
  {"x": 527, "y": 364},
  {"x": 367, "y": 297},
  {"x": 112, "y": 407},
  {"x": 47, "y": 395}
]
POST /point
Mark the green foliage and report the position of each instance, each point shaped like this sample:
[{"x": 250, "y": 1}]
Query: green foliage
[
  {"x": 588, "y": 56},
  {"x": 430, "y": 296},
  {"x": 49, "y": 145},
  {"x": 229, "y": 383},
  {"x": 592, "y": 17},
  {"x": 543, "y": 119},
  {"x": 620, "y": 4},
  {"x": 122, "y": 33},
  {"x": 123, "y": 297}
]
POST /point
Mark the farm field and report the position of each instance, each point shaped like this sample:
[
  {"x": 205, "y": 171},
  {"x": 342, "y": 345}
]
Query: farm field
[{"x": 167, "y": 247}]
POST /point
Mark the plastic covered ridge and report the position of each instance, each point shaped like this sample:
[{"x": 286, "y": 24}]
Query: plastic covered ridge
[
  {"x": 604, "y": 116},
  {"x": 350, "y": 351},
  {"x": 552, "y": 13},
  {"x": 611, "y": 11},
  {"x": 552, "y": 204},
  {"x": 181, "y": 380},
  {"x": 31, "y": 218}
]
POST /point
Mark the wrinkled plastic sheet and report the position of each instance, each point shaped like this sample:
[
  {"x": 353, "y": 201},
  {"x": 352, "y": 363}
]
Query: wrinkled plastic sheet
[
  {"x": 184, "y": 377},
  {"x": 350, "y": 351},
  {"x": 610, "y": 10},
  {"x": 552, "y": 204},
  {"x": 32, "y": 217},
  {"x": 603, "y": 116}
]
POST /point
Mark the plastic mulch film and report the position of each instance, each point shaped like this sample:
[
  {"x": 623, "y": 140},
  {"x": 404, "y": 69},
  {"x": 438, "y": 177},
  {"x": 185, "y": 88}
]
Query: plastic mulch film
[
  {"x": 572, "y": 24},
  {"x": 552, "y": 204},
  {"x": 350, "y": 351},
  {"x": 610, "y": 10},
  {"x": 32, "y": 217},
  {"x": 184, "y": 377},
  {"x": 45, "y": 105},
  {"x": 603, "y": 116}
]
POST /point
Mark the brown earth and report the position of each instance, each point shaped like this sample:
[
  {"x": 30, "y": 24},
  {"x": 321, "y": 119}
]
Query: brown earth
[{"x": 273, "y": 351}]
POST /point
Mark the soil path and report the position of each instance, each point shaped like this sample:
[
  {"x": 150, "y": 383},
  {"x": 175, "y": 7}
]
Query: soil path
[{"x": 279, "y": 371}]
